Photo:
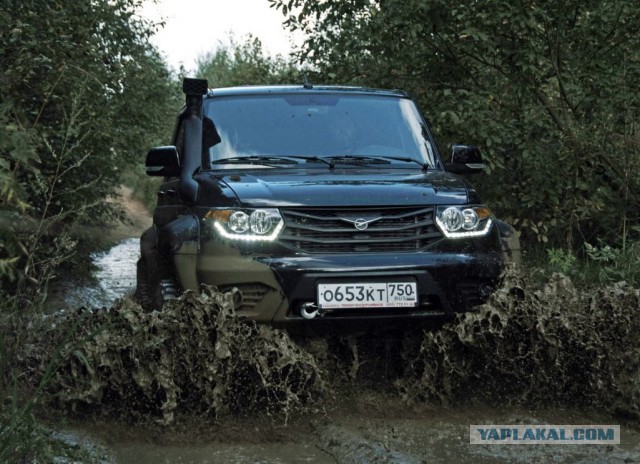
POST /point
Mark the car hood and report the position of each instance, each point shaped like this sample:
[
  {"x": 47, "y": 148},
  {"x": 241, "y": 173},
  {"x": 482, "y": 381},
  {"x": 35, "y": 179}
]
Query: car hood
[{"x": 352, "y": 187}]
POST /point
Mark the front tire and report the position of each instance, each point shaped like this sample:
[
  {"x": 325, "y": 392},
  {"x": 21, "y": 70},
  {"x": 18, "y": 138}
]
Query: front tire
[
  {"x": 143, "y": 294},
  {"x": 150, "y": 294}
]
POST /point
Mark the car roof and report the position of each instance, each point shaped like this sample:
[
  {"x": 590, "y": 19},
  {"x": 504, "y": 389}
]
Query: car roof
[{"x": 288, "y": 89}]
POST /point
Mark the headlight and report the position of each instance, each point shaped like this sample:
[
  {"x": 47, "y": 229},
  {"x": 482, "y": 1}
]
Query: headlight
[
  {"x": 259, "y": 225},
  {"x": 239, "y": 222},
  {"x": 461, "y": 222}
]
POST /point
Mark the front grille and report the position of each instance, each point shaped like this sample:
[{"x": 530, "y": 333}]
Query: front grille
[{"x": 334, "y": 231}]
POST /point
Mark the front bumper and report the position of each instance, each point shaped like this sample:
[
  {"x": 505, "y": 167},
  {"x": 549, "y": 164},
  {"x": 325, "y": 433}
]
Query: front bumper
[{"x": 276, "y": 289}]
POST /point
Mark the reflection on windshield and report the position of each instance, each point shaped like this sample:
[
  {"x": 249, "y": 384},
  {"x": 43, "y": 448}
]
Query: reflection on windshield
[{"x": 318, "y": 125}]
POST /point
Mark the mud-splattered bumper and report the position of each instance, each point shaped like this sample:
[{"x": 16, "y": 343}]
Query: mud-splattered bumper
[
  {"x": 279, "y": 289},
  {"x": 446, "y": 283}
]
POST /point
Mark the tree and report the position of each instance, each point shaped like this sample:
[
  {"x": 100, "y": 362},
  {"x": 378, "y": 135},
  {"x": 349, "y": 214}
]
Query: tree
[
  {"x": 83, "y": 96},
  {"x": 547, "y": 89},
  {"x": 245, "y": 63}
]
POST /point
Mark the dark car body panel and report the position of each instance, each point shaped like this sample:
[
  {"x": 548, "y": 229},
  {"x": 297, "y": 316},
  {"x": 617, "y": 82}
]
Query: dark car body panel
[{"x": 319, "y": 187}]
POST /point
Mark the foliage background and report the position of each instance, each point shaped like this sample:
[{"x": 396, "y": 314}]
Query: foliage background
[
  {"x": 83, "y": 97},
  {"x": 547, "y": 89},
  {"x": 244, "y": 62}
]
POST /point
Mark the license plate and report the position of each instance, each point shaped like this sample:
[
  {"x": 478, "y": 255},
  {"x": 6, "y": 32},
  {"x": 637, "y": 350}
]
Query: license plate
[{"x": 368, "y": 295}]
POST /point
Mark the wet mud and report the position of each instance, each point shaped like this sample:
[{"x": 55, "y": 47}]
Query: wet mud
[{"x": 194, "y": 383}]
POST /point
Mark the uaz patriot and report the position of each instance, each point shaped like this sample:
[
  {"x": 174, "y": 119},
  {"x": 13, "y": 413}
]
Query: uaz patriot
[{"x": 318, "y": 203}]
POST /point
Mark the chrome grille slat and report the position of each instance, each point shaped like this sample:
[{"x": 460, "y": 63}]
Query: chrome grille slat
[
  {"x": 373, "y": 228},
  {"x": 333, "y": 231},
  {"x": 358, "y": 240}
]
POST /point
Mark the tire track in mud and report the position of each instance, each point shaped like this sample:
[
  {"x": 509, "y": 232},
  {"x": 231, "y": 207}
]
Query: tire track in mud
[{"x": 366, "y": 406}]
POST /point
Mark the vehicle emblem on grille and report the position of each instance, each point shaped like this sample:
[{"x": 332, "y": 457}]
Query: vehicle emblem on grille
[{"x": 360, "y": 223}]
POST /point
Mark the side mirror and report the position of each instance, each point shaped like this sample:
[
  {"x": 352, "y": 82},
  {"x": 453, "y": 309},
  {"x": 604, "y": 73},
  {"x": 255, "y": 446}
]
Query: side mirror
[
  {"x": 465, "y": 159},
  {"x": 163, "y": 161}
]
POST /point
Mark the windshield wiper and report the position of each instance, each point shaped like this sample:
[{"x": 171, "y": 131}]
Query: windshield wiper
[
  {"x": 425, "y": 166},
  {"x": 255, "y": 160},
  {"x": 315, "y": 158},
  {"x": 357, "y": 159},
  {"x": 331, "y": 161}
]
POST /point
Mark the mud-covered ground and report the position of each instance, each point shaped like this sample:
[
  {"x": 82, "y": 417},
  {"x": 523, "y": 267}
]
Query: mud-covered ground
[
  {"x": 373, "y": 429},
  {"x": 194, "y": 384}
]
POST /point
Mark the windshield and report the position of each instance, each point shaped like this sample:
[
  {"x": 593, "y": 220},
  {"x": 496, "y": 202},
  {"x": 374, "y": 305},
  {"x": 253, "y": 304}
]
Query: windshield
[{"x": 318, "y": 125}]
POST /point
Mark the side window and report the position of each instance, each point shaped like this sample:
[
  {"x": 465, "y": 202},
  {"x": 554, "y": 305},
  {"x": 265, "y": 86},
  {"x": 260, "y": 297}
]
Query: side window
[{"x": 210, "y": 136}]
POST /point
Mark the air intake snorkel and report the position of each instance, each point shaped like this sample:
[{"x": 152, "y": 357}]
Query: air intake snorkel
[{"x": 194, "y": 89}]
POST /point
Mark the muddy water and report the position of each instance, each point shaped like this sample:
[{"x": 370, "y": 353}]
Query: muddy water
[
  {"x": 114, "y": 277},
  {"x": 370, "y": 434},
  {"x": 346, "y": 414}
]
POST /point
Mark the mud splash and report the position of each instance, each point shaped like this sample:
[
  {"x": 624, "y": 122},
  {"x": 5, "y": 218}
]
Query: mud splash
[
  {"x": 195, "y": 356},
  {"x": 530, "y": 345},
  {"x": 547, "y": 344}
]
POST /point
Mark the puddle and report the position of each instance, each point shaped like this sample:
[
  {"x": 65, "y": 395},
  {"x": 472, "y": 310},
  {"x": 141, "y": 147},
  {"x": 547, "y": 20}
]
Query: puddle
[
  {"x": 366, "y": 433},
  {"x": 276, "y": 453},
  {"x": 115, "y": 277}
]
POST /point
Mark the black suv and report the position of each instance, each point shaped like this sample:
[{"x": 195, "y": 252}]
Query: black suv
[{"x": 318, "y": 204}]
